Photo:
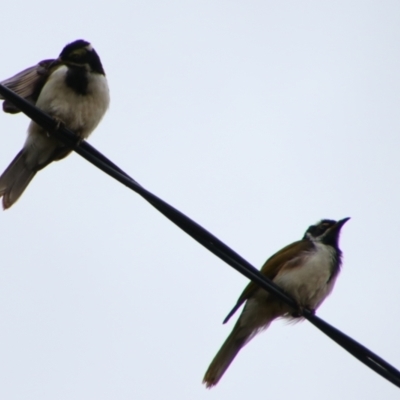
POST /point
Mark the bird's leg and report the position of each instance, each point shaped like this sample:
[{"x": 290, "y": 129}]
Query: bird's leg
[
  {"x": 59, "y": 124},
  {"x": 299, "y": 312}
]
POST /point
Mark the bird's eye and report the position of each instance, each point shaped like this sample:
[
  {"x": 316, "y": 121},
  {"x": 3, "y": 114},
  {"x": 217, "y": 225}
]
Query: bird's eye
[{"x": 77, "y": 54}]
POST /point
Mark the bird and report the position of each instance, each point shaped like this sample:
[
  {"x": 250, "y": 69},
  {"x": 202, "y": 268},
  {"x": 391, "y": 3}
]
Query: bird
[
  {"x": 72, "y": 89},
  {"x": 306, "y": 270}
]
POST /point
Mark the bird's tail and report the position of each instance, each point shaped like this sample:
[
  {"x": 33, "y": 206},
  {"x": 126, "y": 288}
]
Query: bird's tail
[
  {"x": 15, "y": 179},
  {"x": 224, "y": 357},
  {"x": 231, "y": 347},
  {"x": 257, "y": 315}
]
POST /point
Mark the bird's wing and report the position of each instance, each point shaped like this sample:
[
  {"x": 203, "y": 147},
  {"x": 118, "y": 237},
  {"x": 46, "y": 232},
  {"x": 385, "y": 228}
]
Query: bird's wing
[
  {"x": 271, "y": 268},
  {"x": 28, "y": 83}
]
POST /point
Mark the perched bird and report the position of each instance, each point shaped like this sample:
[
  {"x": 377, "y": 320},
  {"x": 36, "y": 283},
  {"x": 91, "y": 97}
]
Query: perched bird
[
  {"x": 306, "y": 270},
  {"x": 73, "y": 90}
]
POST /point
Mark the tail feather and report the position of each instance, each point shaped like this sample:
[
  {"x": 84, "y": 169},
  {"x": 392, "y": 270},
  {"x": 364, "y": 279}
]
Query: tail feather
[
  {"x": 258, "y": 313},
  {"x": 15, "y": 179},
  {"x": 227, "y": 353}
]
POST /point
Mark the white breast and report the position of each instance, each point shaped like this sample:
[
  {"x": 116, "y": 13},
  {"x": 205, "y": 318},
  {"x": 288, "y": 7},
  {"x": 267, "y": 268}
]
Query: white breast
[
  {"x": 80, "y": 113},
  {"x": 308, "y": 284}
]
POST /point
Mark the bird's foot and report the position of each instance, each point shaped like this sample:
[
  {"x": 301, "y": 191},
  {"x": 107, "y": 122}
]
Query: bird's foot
[
  {"x": 77, "y": 140},
  {"x": 300, "y": 311},
  {"x": 59, "y": 124}
]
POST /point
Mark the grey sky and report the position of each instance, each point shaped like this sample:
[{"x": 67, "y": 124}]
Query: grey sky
[{"x": 254, "y": 118}]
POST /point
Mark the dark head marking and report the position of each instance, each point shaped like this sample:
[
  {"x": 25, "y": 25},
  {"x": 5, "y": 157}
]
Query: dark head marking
[
  {"x": 71, "y": 47},
  {"x": 319, "y": 228},
  {"x": 81, "y": 54},
  {"x": 326, "y": 231}
]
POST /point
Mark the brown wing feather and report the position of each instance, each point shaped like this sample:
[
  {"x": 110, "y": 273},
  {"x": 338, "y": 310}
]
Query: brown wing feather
[
  {"x": 28, "y": 83},
  {"x": 270, "y": 269}
]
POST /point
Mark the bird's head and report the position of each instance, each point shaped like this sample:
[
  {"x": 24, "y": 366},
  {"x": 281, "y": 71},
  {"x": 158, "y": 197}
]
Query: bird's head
[
  {"x": 326, "y": 231},
  {"x": 81, "y": 54}
]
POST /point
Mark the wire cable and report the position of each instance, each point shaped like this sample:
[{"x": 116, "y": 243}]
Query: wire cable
[{"x": 199, "y": 234}]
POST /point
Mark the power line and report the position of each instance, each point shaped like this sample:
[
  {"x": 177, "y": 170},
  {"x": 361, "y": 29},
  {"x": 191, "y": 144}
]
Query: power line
[{"x": 200, "y": 234}]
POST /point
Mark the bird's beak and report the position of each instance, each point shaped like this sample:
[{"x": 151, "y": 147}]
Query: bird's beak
[
  {"x": 338, "y": 226},
  {"x": 340, "y": 223},
  {"x": 332, "y": 234}
]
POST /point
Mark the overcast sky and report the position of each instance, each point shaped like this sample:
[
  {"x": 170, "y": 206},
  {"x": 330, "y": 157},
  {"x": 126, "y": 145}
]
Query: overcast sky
[{"x": 256, "y": 119}]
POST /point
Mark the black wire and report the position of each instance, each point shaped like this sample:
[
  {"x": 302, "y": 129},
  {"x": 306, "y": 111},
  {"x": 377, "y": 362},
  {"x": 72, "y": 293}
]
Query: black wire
[{"x": 201, "y": 235}]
